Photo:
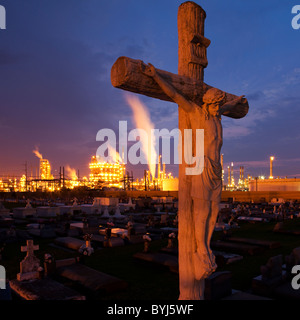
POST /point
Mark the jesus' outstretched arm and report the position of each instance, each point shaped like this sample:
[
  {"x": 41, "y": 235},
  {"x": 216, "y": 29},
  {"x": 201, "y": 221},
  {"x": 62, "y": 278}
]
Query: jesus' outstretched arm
[{"x": 169, "y": 90}]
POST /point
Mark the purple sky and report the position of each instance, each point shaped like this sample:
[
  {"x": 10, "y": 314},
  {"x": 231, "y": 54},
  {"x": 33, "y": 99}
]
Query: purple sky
[{"x": 55, "y": 89}]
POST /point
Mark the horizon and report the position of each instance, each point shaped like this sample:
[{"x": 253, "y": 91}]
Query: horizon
[{"x": 56, "y": 93}]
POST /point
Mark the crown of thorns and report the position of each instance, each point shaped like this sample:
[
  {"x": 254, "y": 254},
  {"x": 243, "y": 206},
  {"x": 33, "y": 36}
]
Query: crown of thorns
[{"x": 214, "y": 96}]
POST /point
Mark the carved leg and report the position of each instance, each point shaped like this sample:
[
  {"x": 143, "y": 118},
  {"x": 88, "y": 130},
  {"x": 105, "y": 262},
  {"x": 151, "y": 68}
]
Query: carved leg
[
  {"x": 202, "y": 257},
  {"x": 211, "y": 222}
]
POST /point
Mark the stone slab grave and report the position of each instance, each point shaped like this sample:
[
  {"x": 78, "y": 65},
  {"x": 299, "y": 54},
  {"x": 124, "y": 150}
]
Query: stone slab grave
[
  {"x": 252, "y": 219},
  {"x": 272, "y": 276},
  {"x": 222, "y": 258},
  {"x": 22, "y": 213},
  {"x": 98, "y": 240},
  {"x": 69, "y": 243},
  {"x": 255, "y": 242},
  {"x": 218, "y": 286},
  {"x": 47, "y": 211},
  {"x": 115, "y": 232},
  {"x": 240, "y": 248},
  {"x": 285, "y": 291},
  {"x": 44, "y": 289},
  {"x": 91, "y": 279},
  {"x": 160, "y": 259},
  {"x": 279, "y": 228},
  {"x": 41, "y": 231}
]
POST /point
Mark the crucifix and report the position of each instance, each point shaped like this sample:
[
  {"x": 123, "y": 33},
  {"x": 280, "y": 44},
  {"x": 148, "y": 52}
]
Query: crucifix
[{"x": 200, "y": 107}]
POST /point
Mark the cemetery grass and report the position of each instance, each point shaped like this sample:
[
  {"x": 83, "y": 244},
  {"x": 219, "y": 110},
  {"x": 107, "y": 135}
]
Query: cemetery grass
[{"x": 151, "y": 282}]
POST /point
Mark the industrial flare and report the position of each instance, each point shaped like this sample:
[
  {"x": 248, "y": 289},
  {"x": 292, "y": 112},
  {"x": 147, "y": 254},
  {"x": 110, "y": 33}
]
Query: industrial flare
[{"x": 142, "y": 120}]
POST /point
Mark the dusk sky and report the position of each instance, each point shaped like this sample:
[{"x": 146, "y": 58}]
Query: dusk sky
[{"x": 56, "y": 93}]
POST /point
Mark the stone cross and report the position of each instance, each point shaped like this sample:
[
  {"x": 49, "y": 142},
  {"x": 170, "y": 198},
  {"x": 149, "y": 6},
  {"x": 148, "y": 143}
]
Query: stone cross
[
  {"x": 187, "y": 89},
  {"x": 30, "y": 248},
  {"x": 30, "y": 265}
]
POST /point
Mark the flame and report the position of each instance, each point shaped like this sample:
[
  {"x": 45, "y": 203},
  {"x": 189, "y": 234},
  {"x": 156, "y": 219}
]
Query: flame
[
  {"x": 37, "y": 153},
  {"x": 71, "y": 173},
  {"x": 142, "y": 120}
]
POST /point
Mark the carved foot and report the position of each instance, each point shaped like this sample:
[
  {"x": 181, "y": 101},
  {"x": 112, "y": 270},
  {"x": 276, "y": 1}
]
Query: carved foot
[
  {"x": 202, "y": 266},
  {"x": 212, "y": 257}
]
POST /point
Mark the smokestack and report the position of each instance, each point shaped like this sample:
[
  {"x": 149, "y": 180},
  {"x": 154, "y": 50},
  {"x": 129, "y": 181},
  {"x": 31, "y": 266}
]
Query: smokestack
[
  {"x": 159, "y": 167},
  {"x": 145, "y": 179},
  {"x": 271, "y": 167},
  {"x": 164, "y": 170},
  {"x": 229, "y": 176}
]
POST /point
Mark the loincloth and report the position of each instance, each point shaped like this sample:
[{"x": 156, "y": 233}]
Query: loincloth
[{"x": 208, "y": 185}]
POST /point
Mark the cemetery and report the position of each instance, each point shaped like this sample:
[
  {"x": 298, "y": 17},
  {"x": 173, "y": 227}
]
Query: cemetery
[
  {"x": 93, "y": 256},
  {"x": 110, "y": 238}
]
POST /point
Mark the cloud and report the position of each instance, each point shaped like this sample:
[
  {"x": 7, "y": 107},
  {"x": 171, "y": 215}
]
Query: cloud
[
  {"x": 255, "y": 96},
  {"x": 246, "y": 126}
]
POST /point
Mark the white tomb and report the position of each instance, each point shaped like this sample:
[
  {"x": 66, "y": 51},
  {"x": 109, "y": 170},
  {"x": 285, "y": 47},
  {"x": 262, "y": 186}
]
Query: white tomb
[{"x": 47, "y": 211}]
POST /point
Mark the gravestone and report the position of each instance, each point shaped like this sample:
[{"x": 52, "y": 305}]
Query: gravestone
[
  {"x": 292, "y": 260},
  {"x": 27, "y": 211},
  {"x": 30, "y": 266},
  {"x": 47, "y": 211},
  {"x": 106, "y": 213},
  {"x": 118, "y": 213},
  {"x": 271, "y": 277},
  {"x": 218, "y": 286}
]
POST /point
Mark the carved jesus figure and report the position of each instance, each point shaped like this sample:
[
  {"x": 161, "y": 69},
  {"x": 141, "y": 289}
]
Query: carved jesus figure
[{"x": 207, "y": 186}]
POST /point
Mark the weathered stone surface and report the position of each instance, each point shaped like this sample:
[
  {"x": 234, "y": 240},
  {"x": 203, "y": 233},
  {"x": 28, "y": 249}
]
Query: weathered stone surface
[
  {"x": 200, "y": 107},
  {"x": 91, "y": 279},
  {"x": 45, "y": 289},
  {"x": 236, "y": 247},
  {"x": 257, "y": 242},
  {"x": 69, "y": 242},
  {"x": 218, "y": 286},
  {"x": 161, "y": 259},
  {"x": 29, "y": 266}
]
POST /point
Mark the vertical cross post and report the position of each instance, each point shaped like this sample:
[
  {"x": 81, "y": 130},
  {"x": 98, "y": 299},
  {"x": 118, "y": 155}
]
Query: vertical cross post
[{"x": 191, "y": 63}]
